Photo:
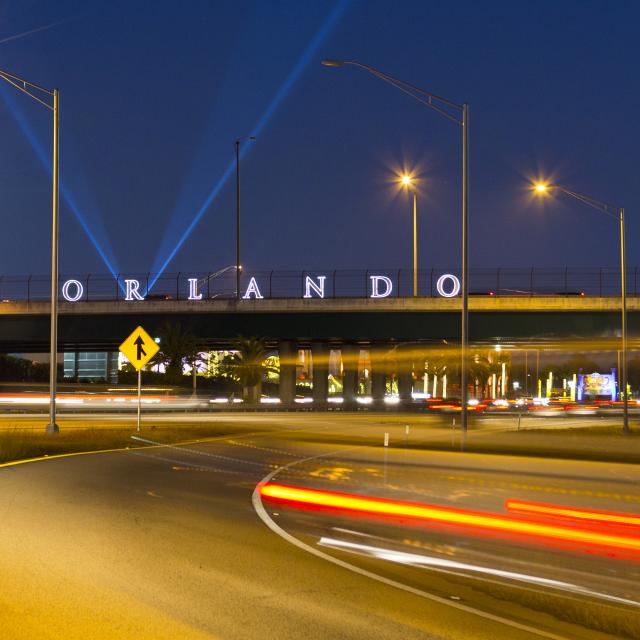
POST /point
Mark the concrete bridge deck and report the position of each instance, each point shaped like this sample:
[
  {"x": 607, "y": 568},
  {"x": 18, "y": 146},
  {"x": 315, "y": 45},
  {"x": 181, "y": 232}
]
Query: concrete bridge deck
[
  {"x": 538, "y": 304},
  {"x": 102, "y": 325}
]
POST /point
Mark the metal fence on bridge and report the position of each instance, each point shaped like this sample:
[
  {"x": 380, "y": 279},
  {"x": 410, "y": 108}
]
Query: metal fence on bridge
[{"x": 345, "y": 283}]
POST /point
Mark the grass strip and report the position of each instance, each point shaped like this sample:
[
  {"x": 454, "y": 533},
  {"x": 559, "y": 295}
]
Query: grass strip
[{"x": 21, "y": 444}]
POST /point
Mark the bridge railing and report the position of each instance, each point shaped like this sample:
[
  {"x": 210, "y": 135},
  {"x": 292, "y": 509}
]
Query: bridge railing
[{"x": 342, "y": 283}]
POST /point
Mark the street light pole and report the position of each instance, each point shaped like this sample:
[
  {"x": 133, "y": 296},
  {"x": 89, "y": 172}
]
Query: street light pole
[
  {"x": 238, "y": 266},
  {"x": 52, "y": 427},
  {"x": 415, "y": 242},
  {"x": 618, "y": 214},
  {"x": 464, "y": 321},
  {"x": 36, "y": 91},
  {"x": 237, "y": 219},
  {"x": 408, "y": 181},
  {"x": 623, "y": 293},
  {"x": 460, "y": 116}
]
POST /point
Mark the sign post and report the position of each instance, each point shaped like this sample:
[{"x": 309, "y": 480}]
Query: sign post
[
  {"x": 139, "y": 398},
  {"x": 139, "y": 348}
]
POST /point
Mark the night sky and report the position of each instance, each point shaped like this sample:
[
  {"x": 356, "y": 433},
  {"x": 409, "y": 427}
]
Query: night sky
[{"x": 154, "y": 94}]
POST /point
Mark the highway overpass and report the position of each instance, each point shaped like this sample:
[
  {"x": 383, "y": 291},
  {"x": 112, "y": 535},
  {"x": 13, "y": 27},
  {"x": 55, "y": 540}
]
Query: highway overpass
[{"x": 102, "y": 325}]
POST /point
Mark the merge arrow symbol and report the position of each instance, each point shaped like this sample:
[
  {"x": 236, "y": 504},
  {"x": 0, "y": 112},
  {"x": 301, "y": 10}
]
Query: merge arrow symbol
[{"x": 139, "y": 342}]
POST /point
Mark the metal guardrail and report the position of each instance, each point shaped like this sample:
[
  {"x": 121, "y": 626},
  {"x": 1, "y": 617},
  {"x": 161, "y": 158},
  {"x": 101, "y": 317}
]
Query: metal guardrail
[{"x": 345, "y": 283}]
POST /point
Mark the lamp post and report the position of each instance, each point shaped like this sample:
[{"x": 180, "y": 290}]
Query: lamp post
[
  {"x": 40, "y": 94},
  {"x": 238, "y": 267},
  {"x": 458, "y": 113},
  {"x": 407, "y": 181},
  {"x": 617, "y": 213}
]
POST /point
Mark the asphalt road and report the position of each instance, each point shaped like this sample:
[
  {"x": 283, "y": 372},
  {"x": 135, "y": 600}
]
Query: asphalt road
[{"x": 172, "y": 542}]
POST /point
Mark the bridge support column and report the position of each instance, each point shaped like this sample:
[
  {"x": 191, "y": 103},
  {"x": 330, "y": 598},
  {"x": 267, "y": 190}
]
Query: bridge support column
[
  {"x": 405, "y": 376},
  {"x": 288, "y": 357},
  {"x": 350, "y": 356},
  {"x": 378, "y": 376},
  {"x": 320, "y": 360}
]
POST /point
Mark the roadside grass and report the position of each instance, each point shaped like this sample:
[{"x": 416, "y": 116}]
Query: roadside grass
[
  {"x": 596, "y": 444},
  {"x": 601, "y": 443},
  {"x": 619, "y": 621},
  {"x": 25, "y": 438},
  {"x": 21, "y": 444}
]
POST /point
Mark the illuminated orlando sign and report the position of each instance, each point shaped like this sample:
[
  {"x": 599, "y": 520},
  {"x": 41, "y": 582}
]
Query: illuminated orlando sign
[{"x": 447, "y": 286}]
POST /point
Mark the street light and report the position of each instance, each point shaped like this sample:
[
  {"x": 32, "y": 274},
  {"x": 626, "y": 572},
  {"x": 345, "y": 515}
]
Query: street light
[
  {"x": 616, "y": 213},
  {"x": 38, "y": 93},
  {"x": 238, "y": 267},
  {"x": 407, "y": 181},
  {"x": 458, "y": 113}
]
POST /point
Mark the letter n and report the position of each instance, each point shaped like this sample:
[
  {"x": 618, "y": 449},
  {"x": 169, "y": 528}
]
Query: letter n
[{"x": 310, "y": 285}]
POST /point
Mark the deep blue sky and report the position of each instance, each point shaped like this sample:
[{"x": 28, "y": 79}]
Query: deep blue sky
[{"x": 155, "y": 93}]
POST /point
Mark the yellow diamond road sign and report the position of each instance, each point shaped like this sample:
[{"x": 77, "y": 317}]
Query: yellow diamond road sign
[{"x": 139, "y": 348}]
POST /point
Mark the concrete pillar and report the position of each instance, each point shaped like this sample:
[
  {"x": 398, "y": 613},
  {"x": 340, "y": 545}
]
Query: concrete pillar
[
  {"x": 107, "y": 376},
  {"x": 405, "y": 378},
  {"x": 350, "y": 354},
  {"x": 378, "y": 375},
  {"x": 320, "y": 363},
  {"x": 288, "y": 353}
]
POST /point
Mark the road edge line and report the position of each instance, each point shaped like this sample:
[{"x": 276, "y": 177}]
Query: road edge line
[
  {"x": 14, "y": 463},
  {"x": 260, "y": 510}
]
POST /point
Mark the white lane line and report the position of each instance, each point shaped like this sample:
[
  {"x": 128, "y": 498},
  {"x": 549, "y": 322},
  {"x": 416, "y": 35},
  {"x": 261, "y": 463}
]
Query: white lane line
[
  {"x": 186, "y": 465},
  {"x": 418, "y": 560},
  {"x": 184, "y": 449},
  {"x": 266, "y": 518}
]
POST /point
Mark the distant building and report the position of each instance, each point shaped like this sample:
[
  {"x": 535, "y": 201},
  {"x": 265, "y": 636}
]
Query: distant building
[{"x": 91, "y": 365}]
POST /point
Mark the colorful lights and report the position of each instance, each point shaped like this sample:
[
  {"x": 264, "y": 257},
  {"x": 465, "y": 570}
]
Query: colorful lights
[
  {"x": 573, "y": 513},
  {"x": 592, "y": 538}
]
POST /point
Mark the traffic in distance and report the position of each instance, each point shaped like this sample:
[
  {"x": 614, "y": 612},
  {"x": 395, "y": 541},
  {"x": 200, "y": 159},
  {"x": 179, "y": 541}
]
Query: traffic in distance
[{"x": 124, "y": 400}]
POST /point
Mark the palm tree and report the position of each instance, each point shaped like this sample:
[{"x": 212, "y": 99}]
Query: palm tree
[
  {"x": 177, "y": 348},
  {"x": 496, "y": 359},
  {"x": 441, "y": 362},
  {"x": 479, "y": 371},
  {"x": 247, "y": 366}
]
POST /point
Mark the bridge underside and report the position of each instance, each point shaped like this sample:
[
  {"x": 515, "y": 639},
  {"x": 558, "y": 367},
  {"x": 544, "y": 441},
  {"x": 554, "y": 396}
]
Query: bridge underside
[{"x": 105, "y": 331}]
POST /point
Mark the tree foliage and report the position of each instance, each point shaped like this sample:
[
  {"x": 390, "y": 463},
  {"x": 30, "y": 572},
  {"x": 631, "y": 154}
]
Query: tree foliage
[
  {"x": 247, "y": 365},
  {"x": 177, "y": 348},
  {"x": 22, "y": 370}
]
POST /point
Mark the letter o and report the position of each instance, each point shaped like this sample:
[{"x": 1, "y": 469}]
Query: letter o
[
  {"x": 79, "y": 290},
  {"x": 455, "y": 290}
]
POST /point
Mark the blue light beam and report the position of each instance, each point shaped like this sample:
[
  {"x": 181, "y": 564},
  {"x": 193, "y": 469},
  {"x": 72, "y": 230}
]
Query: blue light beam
[
  {"x": 45, "y": 160},
  {"x": 277, "y": 100}
]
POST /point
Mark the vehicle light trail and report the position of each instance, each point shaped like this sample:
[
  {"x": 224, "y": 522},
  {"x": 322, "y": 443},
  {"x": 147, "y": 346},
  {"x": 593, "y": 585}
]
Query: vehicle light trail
[
  {"x": 444, "y": 564},
  {"x": 592, "y": 538},
  {"x": 573, "y": 513}
]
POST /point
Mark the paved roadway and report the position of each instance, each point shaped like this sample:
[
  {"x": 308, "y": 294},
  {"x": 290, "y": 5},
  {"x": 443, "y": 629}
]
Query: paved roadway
[{"x": 169, "y": 542}]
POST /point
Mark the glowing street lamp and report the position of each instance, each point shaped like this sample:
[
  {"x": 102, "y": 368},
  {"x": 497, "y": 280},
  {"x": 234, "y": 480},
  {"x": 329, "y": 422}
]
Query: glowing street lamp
[
  {"x": 407, "y": 181},
  {"x": 42, "y": 95},
  {"x": 617, "y": 213},
  {"x": 458, "y": 113}
]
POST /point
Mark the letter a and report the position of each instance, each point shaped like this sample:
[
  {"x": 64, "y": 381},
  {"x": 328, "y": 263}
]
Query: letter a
[{"x": 252, "y": 288}]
